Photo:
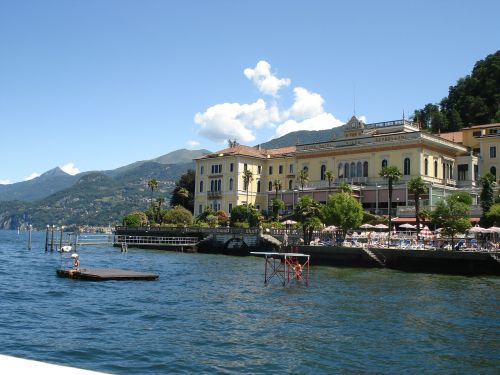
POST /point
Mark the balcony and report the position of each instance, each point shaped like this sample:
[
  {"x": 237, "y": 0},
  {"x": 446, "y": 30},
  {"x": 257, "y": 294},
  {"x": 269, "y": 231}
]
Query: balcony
[
  {"x": 214, "y": 194},
  {"x": 409, "y": 211}
]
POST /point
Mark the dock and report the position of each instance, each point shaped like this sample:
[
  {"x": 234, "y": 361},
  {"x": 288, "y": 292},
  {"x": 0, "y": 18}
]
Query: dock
[{"x": 103, "y": 274}]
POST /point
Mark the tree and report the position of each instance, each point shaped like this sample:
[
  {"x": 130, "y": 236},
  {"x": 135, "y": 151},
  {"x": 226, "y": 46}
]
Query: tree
[
  {"x": 343, "y": 211},
  {"x": 277, "y": 205},
  {"x": 247, "y": 214},
  {"x": 487, "y": 196},
  {"x": 222, "y": 218},
  {"x": 493, "y": 214},
  {"x": 329, "y": 178},
  {"x": 179, "y": 196},
  {"x": 417, "y": 187},
  {"x": 277, "y": 186},
  {"x": 452, "y": 215},
  {"x": 232, "y": 143},
  {"x": 473, "y": 100},
  {"x": 135, "y": 219},
  {"x": 178, "y": 215},
  {"x": 391, "y": 174},
  {"x": 309, "y": 213},
  {"x": 247, "y": 180},
  {"x": 159, "y": 202},
  {"x": 303, "y": 178},
  {"x": 152, "y": 184},
  {"x": 345, "y": 187}
]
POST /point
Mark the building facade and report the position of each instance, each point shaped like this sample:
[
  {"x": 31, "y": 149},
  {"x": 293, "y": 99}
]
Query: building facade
[{"x": 447, "y": 162}]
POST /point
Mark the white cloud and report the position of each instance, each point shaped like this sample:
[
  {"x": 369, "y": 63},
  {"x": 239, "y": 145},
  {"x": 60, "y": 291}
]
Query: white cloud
[
  {"x": 193, "y": 143},
  {"x": 5, "y": 182},
  {"x": 362, "y": 118},
  {"x": 70, "y": 169},
  {"x": 234, "y": 120},
  {"x": 266, "y": 82},
  {"x": 32, "y": 176},
  {"x": 306, "y": 104},
  {"x": 225, "y": 121},
  {"x": 320, "y": 122}
]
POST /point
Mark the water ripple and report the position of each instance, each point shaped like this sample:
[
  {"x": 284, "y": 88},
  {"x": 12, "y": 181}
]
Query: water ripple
[{"x": 212, "y": 314}]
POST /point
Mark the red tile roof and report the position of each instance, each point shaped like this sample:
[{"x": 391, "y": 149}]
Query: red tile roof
[
  {"x": 456, "y": 137},
  {"x": 249, "y": 151}
]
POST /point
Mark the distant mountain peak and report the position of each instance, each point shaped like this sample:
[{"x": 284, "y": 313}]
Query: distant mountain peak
[{"x": 54, "y": 172}]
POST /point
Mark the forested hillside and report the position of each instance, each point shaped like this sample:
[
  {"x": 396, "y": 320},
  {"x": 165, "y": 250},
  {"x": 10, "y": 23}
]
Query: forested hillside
[{"x": 474, "y": 100}]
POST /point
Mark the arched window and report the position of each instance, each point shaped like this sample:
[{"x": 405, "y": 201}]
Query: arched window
[
  {"x": 230, "y": 184},
  {"x": 322, "y": 172},
  {"x": 212, "y": 183},
  {"x": 353, "y": 169},
  {"x": 270, "y": 186},
  {"x": 201, "y": 186},
  {"x": 258, "y": 186},
  {"x": 406, "y": 167},
  {"x": 290, "y": 182},
  {"x": 346, "y": 170},
  {"x": 426, "y": 166},
  {"x": 245, "y": 185},
  {"x": 359, "y": 169},
  {"x": 306, "y": 168},
  {"x": 341, "y": 170},
  {"x": 365, "y": 169},
  {"x": 435, "y": 168},
  {"x": 384, "y": 163},
  {"x": 493, "y": 171}
]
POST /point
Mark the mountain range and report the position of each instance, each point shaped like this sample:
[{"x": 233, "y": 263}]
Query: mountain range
[
  {"x": 91, "y": 198},
  {"x": 102, "y": 198}
]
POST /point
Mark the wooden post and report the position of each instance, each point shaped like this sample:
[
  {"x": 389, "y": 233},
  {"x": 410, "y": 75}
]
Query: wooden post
[
  {"x": 52, "y": 238},
  {"x": 61, "y": 238},
  {"x": 30, "y": 227},
  {"x": 47, "y": 239}
]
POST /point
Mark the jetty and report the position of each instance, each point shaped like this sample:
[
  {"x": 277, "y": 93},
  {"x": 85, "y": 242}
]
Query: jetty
[{"x": 103, "y": 274}]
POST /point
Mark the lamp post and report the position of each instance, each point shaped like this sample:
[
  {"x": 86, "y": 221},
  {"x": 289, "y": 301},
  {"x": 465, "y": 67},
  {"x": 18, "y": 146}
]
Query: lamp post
[{"x": 376, "y": 199}]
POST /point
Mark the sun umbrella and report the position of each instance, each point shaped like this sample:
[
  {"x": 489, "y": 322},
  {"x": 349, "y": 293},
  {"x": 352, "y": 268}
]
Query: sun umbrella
[
  {"x": 476, "y": 229},
  {"x": 331, "y": 228},
  {"x": 289, "y": 222},
  {"x": 366, "y": 226},
  {"x": 381, "y": 226},
  {"x": 425, "y": 232},
  {"x": 408, "y": 226}
]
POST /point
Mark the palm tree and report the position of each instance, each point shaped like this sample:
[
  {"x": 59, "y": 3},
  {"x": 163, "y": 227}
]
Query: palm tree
[
  {"x": 303, "y": 178},
  {"x": 392, "y": 174},
  {"x": 329, "y": 177},
  {"x": 247, "y": 179},
  {"x": 152, "y": 184},
  {"x": 277, "y": 186},
  {"x": 417, "y": 187},
  {"x": 160, "y": 201}
]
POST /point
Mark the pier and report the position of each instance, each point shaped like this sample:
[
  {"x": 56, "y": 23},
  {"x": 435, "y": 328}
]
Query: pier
[{"x": 157, "y": 242}]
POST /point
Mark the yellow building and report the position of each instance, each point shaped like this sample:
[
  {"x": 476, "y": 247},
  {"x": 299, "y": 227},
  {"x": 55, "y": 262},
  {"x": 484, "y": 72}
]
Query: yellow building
[{"x": 447, "y": 163}]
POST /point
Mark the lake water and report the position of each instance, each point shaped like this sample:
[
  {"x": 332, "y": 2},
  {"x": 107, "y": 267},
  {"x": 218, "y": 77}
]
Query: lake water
[{"x": 213, "y": 314}]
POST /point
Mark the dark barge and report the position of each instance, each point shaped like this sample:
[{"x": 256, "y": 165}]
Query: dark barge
[{"x": 103, "y": 274}]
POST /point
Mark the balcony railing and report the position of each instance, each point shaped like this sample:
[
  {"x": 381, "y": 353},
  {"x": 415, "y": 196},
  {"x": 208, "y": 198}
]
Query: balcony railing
[
  {"x": 409, "y": 211},
  {"x": 214, "y": 194}
]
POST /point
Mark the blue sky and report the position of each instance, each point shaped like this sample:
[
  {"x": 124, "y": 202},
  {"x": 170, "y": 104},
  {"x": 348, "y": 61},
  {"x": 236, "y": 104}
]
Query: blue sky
[{"x": 94, "y": 85}]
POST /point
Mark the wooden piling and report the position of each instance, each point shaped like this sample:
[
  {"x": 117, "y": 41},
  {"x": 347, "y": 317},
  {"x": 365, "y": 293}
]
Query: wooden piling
[{"x": 47, "y": 239}]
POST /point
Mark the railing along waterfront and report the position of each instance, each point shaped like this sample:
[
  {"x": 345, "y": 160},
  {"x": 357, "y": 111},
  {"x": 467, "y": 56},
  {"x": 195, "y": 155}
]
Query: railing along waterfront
[
  {"x": 188, "y": 230},
  {"x": 156, "y": 240}
]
